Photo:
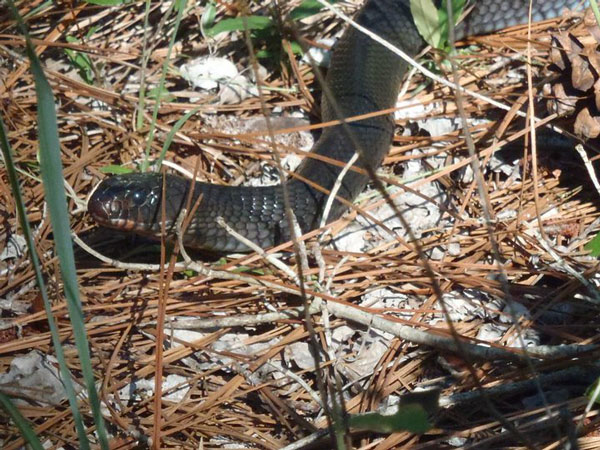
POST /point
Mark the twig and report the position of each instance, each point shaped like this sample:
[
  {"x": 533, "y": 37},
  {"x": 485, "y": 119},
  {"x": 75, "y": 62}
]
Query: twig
[
  {"x": 297, "y": 379},
  {"x": 588, "y": 166},
  {"x": 574, "y": 373},
  {"x": 562, "y": 264},
  {"x": 581, "y": 374},
  {"x": 448, "y": 343},
  {"x": 336, "y": 188},
  {"x": 270, "y": 258}
]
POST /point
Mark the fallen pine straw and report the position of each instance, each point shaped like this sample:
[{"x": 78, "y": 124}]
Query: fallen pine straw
[{"x": 236, "y": 363}]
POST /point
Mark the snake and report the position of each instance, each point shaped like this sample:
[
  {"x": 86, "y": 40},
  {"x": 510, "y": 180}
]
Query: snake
[{"x": 364, "y": 77}]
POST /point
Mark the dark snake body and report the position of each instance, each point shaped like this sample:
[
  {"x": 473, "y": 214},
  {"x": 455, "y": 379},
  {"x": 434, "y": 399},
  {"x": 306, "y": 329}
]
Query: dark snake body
[{"x": 364, "y": 77}]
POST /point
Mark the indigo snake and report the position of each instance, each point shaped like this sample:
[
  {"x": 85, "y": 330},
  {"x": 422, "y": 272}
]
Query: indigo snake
[{"x": 364, "y": 77}]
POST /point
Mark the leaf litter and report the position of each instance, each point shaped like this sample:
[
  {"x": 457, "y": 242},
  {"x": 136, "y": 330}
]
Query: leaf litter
[{"x": 254, "y": 384}]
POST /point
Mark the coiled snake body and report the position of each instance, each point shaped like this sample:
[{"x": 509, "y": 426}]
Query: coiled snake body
[{"x": 364, "y": 77}]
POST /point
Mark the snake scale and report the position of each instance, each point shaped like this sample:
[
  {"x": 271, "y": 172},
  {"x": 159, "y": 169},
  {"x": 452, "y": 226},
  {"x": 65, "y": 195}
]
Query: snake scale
[{"x": 363, "y": 77}]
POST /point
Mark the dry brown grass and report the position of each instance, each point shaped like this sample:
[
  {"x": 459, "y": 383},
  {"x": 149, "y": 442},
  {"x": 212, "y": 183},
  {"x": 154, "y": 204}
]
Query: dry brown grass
[{"x": 240, "y": 388}]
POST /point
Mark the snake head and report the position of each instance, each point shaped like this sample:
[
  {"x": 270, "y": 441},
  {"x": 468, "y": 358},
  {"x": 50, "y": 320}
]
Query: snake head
[{"x": 132, "y": 202}]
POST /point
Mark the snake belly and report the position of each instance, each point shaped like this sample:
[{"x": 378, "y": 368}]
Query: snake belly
[{"x": 364, "y": 77}]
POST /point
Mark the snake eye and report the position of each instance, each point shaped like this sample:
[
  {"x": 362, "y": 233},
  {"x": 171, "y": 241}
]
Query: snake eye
[{"x": 139, "y": 197}]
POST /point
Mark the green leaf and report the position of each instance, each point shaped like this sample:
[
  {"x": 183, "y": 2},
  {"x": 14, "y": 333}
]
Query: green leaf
[
  {"x": 91, "y": 31},
  {"x": 594, "y": 246},
  {"x": 306, "y": 9},
  {"x": 208, "y": 16},
  {"x": 593, "y": 391},
  {"x": 411, "y": 418},
  {"x": 248, "y": 269},
  {"x": 457, "y": 9},
  {"x": 433, "y": 23},
  {"x": 426, "y": 18},
  {"x": 239, "y": 24},
  {"x": 265, "y": 54},
  {"x": 296, "y": 48},
  {"x": 81, "y": 61},
  {"x": 163, "y": 94},
  {"x": 115, "y": 170},
  {"x": 412, "y": 415}
]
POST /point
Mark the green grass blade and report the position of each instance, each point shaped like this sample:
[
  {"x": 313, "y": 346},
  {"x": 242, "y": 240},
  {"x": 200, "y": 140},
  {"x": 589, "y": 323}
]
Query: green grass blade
[
  {"x": 595, "y": 10},
  {"x": 180, "y": 7},
  {"x": 60, "y": 356},
  {"x": 26, "y": 431},
  {"x": 171, "y": 134},
  {"x": 52, "y": 178},
  {"x": 139, "y": 120},
  {"x": 53, "y": 181}
]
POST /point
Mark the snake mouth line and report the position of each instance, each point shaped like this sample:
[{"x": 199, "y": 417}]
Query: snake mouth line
[
  {"x": 101, "y": 215},
  {"x": 124, "y": 224}
]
